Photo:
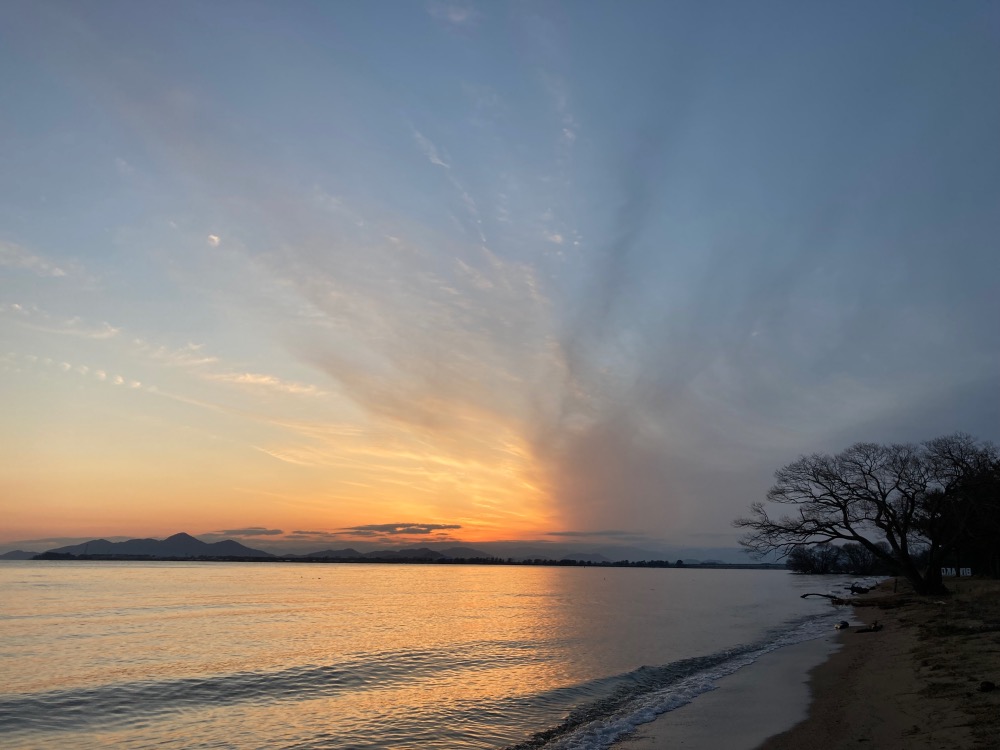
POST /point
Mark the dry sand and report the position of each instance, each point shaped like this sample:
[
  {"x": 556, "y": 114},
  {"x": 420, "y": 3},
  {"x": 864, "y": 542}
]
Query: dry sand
[
  {"x": 916, "y": 683},
  {"x": 913, "y": 685}
]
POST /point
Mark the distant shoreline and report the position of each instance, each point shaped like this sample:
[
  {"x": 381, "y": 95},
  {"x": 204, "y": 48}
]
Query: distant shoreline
[{"x": 67, "y": 557}]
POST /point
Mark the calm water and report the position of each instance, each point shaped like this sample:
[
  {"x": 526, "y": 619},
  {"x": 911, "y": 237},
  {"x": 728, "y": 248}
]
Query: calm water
[{"x": 373, "y": 657}]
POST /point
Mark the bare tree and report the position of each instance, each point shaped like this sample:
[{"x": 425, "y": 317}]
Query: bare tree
[
  {"x": 860, "y": 561},
  {"x": 903, "y": 494}
]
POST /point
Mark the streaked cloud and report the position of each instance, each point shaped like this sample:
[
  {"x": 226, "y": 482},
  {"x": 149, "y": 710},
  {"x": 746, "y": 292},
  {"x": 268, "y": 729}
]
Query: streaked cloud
[
  {"x": 17, "y": 257},
  {"x": 75, "y": 327},
  {"x": 40, "y": 320},
  {"x": 260, "y": 380},
  {"x": 249, "y": 531},
  {"x": 190, "y": 355},
  {"x": 430, "y": 150}
]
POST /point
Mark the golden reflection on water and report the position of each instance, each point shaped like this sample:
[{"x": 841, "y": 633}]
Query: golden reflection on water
[
  {"x": 342, "y": 651},
  {"x": 75, "y": 625}
]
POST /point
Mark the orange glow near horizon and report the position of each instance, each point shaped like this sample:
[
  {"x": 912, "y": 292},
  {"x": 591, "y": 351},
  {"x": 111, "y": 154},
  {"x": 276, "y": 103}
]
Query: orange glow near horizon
[{"x": 139, "y": 473}]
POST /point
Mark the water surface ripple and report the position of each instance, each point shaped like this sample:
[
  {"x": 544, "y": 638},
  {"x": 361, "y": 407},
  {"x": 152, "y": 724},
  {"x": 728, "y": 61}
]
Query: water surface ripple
[{"x": 372, "y": 657}]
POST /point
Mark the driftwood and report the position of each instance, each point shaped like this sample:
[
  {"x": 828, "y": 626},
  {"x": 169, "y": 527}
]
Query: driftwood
[
  {"x": 873, "y": 628},
  {"x": 831, "y": 597}
]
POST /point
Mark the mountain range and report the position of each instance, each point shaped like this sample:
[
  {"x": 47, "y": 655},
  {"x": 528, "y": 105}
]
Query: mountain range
[
  {"x": 17, "y": 554},
  {"x": 178, "y": 545},
  {"x": 184, "y": 545}
]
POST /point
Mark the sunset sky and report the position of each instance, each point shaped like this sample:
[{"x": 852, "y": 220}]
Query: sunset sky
[{"x": 409, "y": 272}]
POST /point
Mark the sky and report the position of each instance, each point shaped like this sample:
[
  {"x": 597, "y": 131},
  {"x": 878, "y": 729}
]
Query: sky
[{"x": 337, "y": 273}]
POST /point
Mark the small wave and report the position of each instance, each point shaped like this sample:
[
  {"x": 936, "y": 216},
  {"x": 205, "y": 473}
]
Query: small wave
[
  {"x": 642, "y": 695},
  {"x": 114, "y": 704}
]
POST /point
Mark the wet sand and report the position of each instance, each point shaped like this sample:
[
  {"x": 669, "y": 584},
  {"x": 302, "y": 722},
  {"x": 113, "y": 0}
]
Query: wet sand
[
  {"x": 748, "y": 706},
  {"x": 913, "y": 685}
]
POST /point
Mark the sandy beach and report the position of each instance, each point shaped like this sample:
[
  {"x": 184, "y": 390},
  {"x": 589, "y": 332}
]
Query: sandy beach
[{"x": 917, "y": 683}]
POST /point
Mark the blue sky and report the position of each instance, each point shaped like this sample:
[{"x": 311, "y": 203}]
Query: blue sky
[{"x": 505, "y": 270}]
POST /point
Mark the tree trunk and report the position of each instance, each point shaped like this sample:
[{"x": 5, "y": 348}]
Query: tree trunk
[{"x": 927, "y": 584}]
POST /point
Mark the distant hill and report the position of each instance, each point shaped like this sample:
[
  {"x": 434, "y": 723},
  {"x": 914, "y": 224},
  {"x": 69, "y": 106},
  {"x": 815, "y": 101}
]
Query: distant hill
[
  {"x": 178, "y": 545},
  {"x": 17, "y": 554},
  {"x": 423, "y": 553},
  {"x": 465, "y": 553},
  {"x": 334, "y": 554},
  {"x": 594, "y": 557}
]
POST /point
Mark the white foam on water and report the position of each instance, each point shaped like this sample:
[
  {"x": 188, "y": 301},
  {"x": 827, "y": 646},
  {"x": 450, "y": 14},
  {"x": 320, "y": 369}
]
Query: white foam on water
[{"x": 602, "y": 733}]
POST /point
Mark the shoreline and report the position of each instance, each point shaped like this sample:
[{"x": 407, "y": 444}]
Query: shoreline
[
  {"x": 915, "y": 684},
  {"x": 746, "y": 708},
  {"x": 912, "y": 685}
]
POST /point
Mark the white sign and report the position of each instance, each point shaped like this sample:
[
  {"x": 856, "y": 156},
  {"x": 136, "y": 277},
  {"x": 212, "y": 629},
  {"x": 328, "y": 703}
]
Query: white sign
[{"x": 962, "y": 572}]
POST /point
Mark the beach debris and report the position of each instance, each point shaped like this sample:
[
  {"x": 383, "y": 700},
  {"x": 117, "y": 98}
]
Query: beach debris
[
  {"x": 873, "y": 628},
  {"x": 842, "y": 625},
  {"x": 831, "y": 597},
  {"x": 857, "y": 589},
  {"x": 987, "y": 686}
]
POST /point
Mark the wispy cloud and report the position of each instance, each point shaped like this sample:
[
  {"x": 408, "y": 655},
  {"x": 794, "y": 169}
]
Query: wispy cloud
[
  {"x": 468, "y": 203},
  {"x": 260, "y": 380},
  {"x": 559, "y": 95},
  {"x": 33, "y": 361},
  {"x": 18, "y": 257},
  {"x": 39, "y": 320},
  {"x": 454, "y": 14},
  {"x": 248, "y": 531},
  {"x": 300, "y": 455},
  {"x": 430, "y": 150},
  {"x": 321, "y": 537},
  {"x": 75, "y": 327},
  {"x": 190, "y": 355}
]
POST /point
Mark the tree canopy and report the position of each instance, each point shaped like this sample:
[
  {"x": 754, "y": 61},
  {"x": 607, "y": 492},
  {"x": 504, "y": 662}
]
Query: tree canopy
[{"x": 910, "y": 506}]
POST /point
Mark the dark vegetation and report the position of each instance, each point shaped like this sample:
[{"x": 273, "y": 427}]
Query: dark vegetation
[
  {"x": 851, "y": 558},
  {"x": 899, "y": 509}
]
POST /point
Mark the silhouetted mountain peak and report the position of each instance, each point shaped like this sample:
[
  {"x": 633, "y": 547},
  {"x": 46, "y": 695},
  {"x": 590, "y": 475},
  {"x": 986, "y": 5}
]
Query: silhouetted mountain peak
[
  {"x": 178, "y": 545},
  {"x": 18, "y": 554},
  {"x": 335, "y": 553},
  {"x": 182, "y": 536}
]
